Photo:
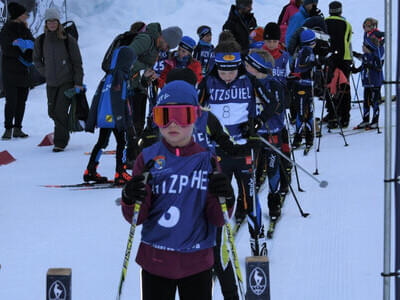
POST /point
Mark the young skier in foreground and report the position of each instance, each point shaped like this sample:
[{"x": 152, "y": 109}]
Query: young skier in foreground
[{"x": 180, "y": 210}]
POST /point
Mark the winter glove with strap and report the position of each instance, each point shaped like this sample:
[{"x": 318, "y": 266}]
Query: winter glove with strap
[
  {"x": 134, "y": 190},
  {"x": 220, "y": 186}
]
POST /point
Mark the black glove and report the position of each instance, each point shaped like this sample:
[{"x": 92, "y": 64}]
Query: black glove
[
  {"x": 250, "y": 127},
  {"x": 220, "y": 186},
  {"x": 134, "y": 190},
  {"x": 258, "y": 123}
]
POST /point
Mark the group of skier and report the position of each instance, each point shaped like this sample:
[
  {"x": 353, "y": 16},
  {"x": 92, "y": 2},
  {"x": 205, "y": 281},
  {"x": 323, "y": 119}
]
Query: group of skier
[
  {"x": 207, "y": 107},
  {"x": 245, "y": 87}
]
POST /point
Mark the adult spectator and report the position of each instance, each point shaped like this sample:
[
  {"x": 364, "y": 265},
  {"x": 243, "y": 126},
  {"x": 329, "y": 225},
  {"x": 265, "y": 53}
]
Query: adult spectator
[
  {"x": 340, "y": 32},
  {"x": 308, "y": 9},
  {"x": 241, "y": 22},
  {"x": 17, "y": 44},
  {"x": 287, "y": 12},
  {"x": 58, "y": 59}
]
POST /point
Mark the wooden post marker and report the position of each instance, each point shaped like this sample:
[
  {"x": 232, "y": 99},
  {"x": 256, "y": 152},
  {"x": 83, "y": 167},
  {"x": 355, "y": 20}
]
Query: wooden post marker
[
  {"x": 59, "y": 284},
  {"x": 257, "y": 274}
]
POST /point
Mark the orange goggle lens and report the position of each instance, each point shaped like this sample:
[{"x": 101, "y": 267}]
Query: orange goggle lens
[{"x": 183, "y": 115}]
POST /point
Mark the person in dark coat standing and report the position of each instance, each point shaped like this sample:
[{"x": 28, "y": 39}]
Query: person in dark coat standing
[
  {"x": 241, "y": 22},
  {"x": 57, "y": 57},
  {"x": 16, "y": 44}
]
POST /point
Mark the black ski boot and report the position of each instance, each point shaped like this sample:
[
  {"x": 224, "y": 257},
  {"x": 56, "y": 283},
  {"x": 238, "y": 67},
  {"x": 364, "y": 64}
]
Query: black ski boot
[
  {"x": 309, "y": 141},
  {"x": 121, "y": 176},
  {"x": 296, "y": 140},
  {"x": 274, "y": 205},
  {"x": 91, "y": 175},
  {"x": 373, "y": 124},
  {"x": 364, "y": 124},
  {"x": 332, "y": 124},
  {"x": 258, "y": 244}
]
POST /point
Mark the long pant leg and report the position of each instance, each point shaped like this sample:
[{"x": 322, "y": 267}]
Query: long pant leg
[
  {"x": 58, "y": 106},
  {"x": 273, "y": 162},
  {"x": 367, "y": 103},
  {"x": 301, "y": 102},
  {"x": 11, "y": 93},
  {"x": 309, "y": 116},
  {"x": 120, "y": 138},
  {"x": 244, "y": 176},
  {"x": 344, "y": 104},
  {"x": 376, "y": 96},
  {"x": 261, "y": 167},
  {"x": 139, "y": 101},
  {"x": 20, "y": 111},
  {"x": 139, "y": 112},
  {"x": 157, "y": 288},
  {"x": 223, "y": 266},
  {"x": 102, "y": 142},
  {"x": 286, "y": 165},
  {"x": 227, "y": 168},
  {"x": 196, "y": 287}
]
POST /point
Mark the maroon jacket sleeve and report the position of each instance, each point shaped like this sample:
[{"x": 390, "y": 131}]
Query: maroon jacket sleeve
[
  {"x": 214, "y": 211},
  {"x": 127, "y": 210}
]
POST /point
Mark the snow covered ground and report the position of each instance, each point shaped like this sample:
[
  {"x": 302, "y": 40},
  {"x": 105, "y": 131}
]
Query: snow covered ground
[{"x": 334, "y": 254}]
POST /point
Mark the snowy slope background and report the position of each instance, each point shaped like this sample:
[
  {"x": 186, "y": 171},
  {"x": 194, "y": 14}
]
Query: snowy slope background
[{"x": 335, "y": 254}]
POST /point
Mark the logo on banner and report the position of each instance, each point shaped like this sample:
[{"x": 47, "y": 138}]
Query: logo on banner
[
  {"x": 57, "y": 291},
  {"x": 258, "y": 281}
]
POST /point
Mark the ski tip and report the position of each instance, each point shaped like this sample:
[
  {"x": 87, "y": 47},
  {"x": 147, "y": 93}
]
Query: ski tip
[{"x": 323, "y": 184}]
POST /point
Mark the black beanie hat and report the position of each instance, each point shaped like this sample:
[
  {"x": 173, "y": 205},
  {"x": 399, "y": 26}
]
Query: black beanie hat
[
  {"x": 243, "y": 3},
  {"x": 15, "y": 10},
  {"x": 335, "y": 8},
  {"x": 272, "y": 31},
  {"x": 184, "y": 74}
]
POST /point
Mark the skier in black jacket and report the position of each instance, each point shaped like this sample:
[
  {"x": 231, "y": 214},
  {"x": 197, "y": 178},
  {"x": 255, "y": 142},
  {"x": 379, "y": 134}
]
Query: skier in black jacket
[
  {"x": 17, "y": 46},
  {"x": 241, "y": 22}
]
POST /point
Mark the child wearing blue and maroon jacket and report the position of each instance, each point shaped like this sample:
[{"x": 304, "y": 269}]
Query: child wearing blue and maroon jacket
[{"x": 180, "y": 211}]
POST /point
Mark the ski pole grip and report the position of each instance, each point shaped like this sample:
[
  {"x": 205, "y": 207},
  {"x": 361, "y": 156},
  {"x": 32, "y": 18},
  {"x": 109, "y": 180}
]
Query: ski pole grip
[{"x": 146, "y": 170}]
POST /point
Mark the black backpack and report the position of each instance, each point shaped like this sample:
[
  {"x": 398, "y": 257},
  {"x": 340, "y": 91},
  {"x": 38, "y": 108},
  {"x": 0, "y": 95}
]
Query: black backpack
[
  {"x": 123, "y": 39},
  {"x": 70, "y": 28}
]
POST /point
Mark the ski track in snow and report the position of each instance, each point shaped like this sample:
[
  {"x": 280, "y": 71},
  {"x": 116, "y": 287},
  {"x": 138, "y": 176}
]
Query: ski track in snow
[{"x": 334, "y": 254}]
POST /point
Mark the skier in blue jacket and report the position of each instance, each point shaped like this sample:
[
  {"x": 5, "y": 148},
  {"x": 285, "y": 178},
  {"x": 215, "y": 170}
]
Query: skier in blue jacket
[{"x": 372, "y": 79}]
